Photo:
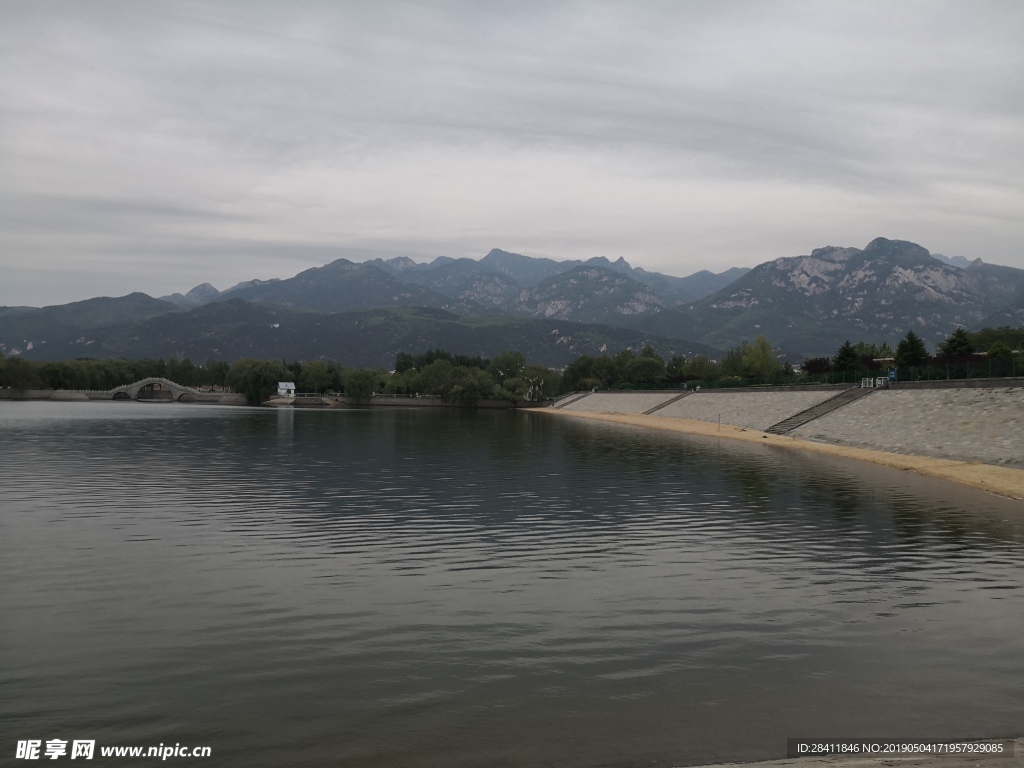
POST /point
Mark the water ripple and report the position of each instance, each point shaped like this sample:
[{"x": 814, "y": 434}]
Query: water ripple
[{"x": 456, "y": 589}]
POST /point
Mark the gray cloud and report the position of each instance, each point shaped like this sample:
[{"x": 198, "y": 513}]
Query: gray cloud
[{"x": 154, "y": 146}]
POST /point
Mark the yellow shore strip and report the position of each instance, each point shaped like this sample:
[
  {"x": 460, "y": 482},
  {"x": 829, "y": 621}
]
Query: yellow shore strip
[{"x": 1004, "y": 481}]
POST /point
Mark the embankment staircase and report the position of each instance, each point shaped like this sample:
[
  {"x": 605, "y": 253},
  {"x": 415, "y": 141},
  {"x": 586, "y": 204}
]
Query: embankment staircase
[{"x": 826, "y": 406}]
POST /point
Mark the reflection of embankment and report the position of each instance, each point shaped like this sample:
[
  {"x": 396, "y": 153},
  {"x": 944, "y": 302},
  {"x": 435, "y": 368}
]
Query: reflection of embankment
[
  {"x": 981, "y": 425},
  {"x": 806, "y": 486}
]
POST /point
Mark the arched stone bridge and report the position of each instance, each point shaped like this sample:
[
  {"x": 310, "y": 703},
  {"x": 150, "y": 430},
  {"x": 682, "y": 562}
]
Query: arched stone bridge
[{"x": 178, "y": 392}]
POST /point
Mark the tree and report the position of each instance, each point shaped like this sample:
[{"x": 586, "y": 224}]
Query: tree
[
  {"x": 507, "y": 365},
  {"x": 702, "y": 368},
  {"x": 911, "y": 351},
  {"x": 759, "y": 360},
  {"x": 404, "y": 362},
  {"x": 817, "y": 365},
  {"x": 846, "y": 358},
  {"x": 433, "y": 378},
  {"x": 213, "y": 372},
  {"x": 866, "y": 355},
  {"x": 580, "y": 369},
  {"x": 466, "y": 385},
  {"x": 986, "y": 337},
  {"x": 256, "y": 379},
  {"x": 360, "y": 383},
  {"x": 609, "y": 370},
  {"x": 675, "y": 366},
  {"x": 512, "y": 390},
  {"x": 645, "y": 370},
  {"x": 959, "y": 344},
  {"x": 541, "y": 382},
  {"x": 999, "y": 349},
  {"x": 732, "y": 365},
  {"x": 21, "y": 374},
  {"x": 315, "y": 377},
  {"x": 401, "y": 383}
]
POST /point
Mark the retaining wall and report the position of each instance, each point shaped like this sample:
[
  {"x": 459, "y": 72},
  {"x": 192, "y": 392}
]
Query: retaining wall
[
  {"x": 966, "y": 424},
  {"x": 25, "y": 394}
]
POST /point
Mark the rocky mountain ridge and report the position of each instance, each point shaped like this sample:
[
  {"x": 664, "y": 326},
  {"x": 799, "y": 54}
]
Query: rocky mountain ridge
[
  {"x": 806, "y": 305},
  {"x": 877, "y": 293},
  {"x": 490, "y": 281}
]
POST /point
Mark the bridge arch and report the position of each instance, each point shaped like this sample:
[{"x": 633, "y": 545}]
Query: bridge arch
[{"x": 178, "y": 392}]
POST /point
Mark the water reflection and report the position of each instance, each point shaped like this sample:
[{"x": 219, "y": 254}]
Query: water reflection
[{"x": 372, "y": 588}]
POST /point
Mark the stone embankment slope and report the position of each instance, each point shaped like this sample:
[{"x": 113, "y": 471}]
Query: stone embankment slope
[
  {"x": 753, "y": 410},
  {"x": 985, "y": 425},
  {"x": 970, "y": 436},
  {"x": 620, "y": 402}
]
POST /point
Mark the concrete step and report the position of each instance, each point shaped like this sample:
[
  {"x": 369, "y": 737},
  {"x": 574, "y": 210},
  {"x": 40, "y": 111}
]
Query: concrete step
[
  {"x": 799, "y": 419},
  {"x": 667, "y": 402},
  {"x": 570, "y": 399}
]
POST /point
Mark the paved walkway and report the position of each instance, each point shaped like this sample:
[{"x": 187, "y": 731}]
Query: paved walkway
[{"x": 985, "y": 425}]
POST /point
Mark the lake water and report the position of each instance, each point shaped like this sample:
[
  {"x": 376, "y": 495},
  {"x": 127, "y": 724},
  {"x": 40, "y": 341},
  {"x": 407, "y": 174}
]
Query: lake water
[{"x": 424, "y": 588}]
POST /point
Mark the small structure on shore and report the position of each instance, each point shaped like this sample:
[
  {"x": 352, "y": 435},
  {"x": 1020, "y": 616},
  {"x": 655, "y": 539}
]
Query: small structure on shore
[{"x": 286, "y": 389}]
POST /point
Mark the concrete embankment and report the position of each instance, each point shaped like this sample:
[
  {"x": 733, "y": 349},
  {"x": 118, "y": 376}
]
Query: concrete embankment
[
  {"x": 620, "y": 402},
  {"x": 985, "y": 425},
  {"x": 742, "y": 410},
  {"x": 753, "y": 409},
  {"x": 971, "y": 436}
]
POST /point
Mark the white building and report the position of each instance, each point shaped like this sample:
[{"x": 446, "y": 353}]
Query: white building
[{"x": 286, "y": 389}]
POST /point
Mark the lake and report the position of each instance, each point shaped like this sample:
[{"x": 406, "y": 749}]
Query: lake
[{"x": 429, "y": 588}]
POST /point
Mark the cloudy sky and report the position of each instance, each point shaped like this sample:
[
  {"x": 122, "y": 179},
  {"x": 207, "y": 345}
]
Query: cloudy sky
[{"x": 153, "y": 146}]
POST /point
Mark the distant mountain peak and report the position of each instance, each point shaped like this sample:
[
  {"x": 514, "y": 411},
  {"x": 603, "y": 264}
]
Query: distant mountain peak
[
  {"x": 962, "y": 262},
  {"x": 811, "y": 303},
  {"x": 201, "y": 294},
  {"x": 881, "y": 246},
  {"x": 250, "y": 284}
]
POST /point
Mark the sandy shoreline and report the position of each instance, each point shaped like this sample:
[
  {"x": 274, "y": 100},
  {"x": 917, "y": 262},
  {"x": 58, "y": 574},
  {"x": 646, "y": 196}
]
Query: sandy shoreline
[{"x": 1003, "y": 481}]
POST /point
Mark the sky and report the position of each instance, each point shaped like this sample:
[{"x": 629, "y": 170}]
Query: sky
[{"x": 155, "y": 146}]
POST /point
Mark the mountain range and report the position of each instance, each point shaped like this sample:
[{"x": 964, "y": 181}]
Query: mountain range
[
  {"x": 553, "y": 311},
  {"x": 493, "y": 282}
]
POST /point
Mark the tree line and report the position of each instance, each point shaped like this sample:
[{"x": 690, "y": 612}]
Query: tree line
[
  {"x": 465, "y": 380},
  {"x": 627, "y": 370},
  {"x": 996, "y": 351},
  {"x": 456, "y": 379},
  {"x": 87, "y": 373}
]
